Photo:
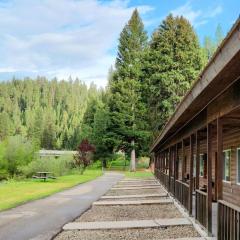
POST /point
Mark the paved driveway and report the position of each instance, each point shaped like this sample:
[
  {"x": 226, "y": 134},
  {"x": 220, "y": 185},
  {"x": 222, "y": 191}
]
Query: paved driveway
[{"x": 42, "y": 219}]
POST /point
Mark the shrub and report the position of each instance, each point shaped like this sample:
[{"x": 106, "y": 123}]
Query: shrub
[
  {"x": 3, "y": 174},
  {"x": 15, "y": 151},
  {"x": 82, "y": 159},
  {"x": 58, "y": 166}
]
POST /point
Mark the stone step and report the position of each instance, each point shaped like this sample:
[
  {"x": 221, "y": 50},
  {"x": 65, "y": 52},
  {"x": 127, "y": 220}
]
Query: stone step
[
  {"x": 133, "y": 202},
  {"x": 141, "y": 180},
  {"x": 138, "y": 185},
  {"x": 135, "y": 188},
  {"x": 191, "y": 238},
  {"x": 135, "y": 196},
  {"x": 168, "y": 222}
]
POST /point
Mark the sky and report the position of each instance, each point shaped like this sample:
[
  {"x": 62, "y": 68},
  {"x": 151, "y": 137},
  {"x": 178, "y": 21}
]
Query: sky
[{"x": 79, "y": 38}]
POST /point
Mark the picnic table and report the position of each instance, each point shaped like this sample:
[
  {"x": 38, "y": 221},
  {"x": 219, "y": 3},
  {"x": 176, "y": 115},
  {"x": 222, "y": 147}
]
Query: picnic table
[{"x": 44, "y": 176}]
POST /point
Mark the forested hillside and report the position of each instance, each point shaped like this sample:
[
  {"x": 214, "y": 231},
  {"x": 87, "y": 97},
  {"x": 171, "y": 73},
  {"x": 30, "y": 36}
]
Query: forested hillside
[{"x": 49, "y": 113}]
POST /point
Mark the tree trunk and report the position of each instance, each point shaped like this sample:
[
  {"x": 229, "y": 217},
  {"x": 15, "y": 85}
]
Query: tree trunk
[{"x": 133, "y": 157}]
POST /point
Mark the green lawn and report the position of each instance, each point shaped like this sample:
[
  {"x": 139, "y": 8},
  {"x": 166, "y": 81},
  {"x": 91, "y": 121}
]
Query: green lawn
[
  {"x": 138, "y": 174},
  {"x": 13, "y": 193}
]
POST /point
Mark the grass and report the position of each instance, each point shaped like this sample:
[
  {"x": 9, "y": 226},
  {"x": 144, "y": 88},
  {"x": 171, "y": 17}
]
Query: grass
[
  {"x": 139, "y": 174},
  {"x": 13, "y": 193}
]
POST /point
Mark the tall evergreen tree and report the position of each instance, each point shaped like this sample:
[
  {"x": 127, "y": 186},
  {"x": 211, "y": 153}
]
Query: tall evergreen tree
[
  {"x": 126, "y": 105},
  {"x": 219, "y": 35},
  {"x": 210, "y": 45},
  {"x": 174, "y": 61}
]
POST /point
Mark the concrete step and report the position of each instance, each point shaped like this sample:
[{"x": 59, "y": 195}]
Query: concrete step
[
  {"x": 135, "y": 188},
  {"x": 141, "y": 180},
  {"x": 136, "y": 185},
  {"x": 135, "y": 196},
  {"x": 134, "y": 202},
  {"x": 168, "y": 222},
  {"x": 191, "y": 238}
]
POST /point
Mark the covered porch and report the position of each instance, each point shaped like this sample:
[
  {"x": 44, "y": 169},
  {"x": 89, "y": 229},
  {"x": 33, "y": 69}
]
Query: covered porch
[{"x": 197, "y": 155}]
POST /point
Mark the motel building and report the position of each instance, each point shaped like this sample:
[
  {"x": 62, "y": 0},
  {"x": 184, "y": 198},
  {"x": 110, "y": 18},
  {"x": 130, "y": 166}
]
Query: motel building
[{"x": 197, "y": 155}]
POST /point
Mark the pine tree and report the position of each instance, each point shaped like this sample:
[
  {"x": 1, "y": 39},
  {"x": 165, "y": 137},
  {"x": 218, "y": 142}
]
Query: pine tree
[
  {"x": 209, "y": 47},
  {"x": 219, "y": 35},
  {"x": 174, "y": 61},
  {"x": 126, "y": 105}
]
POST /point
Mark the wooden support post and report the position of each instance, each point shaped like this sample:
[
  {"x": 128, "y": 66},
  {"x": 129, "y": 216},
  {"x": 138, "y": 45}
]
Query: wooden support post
[
  {"x": 209, "y": 178},
  {"x": 169, "y": 166},
  {"x": 164, "y": 160},
  {"x": 197, "y": 160},
  {"x": 175, "y": 167},
  {"x": 160, "y": 164},
  {"x": 219, "y": 169},
  {"x": 191, "y": 175},
  {"x": 175, "y": 162},
  {"x": 183, "y": 162}
]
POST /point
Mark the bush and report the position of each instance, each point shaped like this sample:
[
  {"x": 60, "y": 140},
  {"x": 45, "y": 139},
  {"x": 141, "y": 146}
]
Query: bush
[
  {"x": 143, "y": 162},
  {"x": 15, "y": 151},
  {"x": 58, "y": 166},
  {"x": 3, "y": 174}
]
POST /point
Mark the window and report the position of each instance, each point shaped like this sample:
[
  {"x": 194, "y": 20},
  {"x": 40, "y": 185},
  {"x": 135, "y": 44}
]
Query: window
[
  {"x": 226, "y": 165},
  {"x": 194, "y": 164},
  {"x": 238, "y": 165},
  {"x": 203, "y": 165}
]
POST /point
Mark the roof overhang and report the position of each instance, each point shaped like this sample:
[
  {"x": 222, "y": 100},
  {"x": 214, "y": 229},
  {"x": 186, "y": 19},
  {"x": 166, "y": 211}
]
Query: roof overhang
[{"x": 221, "y": 71}]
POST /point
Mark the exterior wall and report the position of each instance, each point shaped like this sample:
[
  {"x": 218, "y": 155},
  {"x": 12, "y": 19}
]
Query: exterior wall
[
  {"x": 231, "y": 140},
  {"x": 231, "y": 190}
]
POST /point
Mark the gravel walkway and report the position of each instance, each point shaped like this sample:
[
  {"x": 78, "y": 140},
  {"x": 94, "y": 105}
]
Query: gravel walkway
[
  {"x": 133, "y": 192},
  {"x": 136, "y": 212},
  {"x": 130, "y": 234}
]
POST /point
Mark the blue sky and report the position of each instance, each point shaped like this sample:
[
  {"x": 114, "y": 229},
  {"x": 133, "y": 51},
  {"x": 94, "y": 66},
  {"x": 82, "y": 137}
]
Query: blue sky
[{"x": 79, "y": 37}]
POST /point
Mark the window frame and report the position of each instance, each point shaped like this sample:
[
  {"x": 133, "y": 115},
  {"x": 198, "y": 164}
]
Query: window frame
[
  {"x": 194, "y": 165},
  {"x": 238, "y": 166},
  {"x": 227, "y": 150},
  {"x": 201, "y": 154}
]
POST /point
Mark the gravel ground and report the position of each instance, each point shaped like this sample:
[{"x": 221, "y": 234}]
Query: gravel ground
[
  {"x": 126, "y": 212},
  {"x": 130, "y": 234},
  {"x": 134, "y": 192},
  {"x": 132, "y": 199}
]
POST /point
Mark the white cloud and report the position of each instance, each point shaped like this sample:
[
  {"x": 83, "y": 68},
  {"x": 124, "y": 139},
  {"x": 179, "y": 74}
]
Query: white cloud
[
  {"x": 197, "y": 17},
  {"x": 62, "y": 37},
  {"x": 187, "y": 11},
  {"x": 215, "y": 12}
]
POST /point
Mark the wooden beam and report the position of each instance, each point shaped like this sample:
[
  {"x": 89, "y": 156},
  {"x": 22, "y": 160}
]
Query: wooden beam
[
  {"x": 197, "y": 160},
  {"x": 175, "y": 166},
  {"x": 209, "y": 178},
  {"x": 169, "y": 166},
  {"x": 183, "y": 162},
  {"x": 219, "y": 169},
  {"x": 191, "y": 175},
  {"x": 160, "y": 161}
]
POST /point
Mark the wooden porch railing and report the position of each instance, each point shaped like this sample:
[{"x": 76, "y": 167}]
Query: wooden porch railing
[
  {"x": 228, "y": 221},
  {"x": 201, "y": 207},
  {"x": 171, "y": 185},
  {"x": 156, "y": 173},
  {"x": 182, "y": 193},
  {"x": 163, "y": 177}
]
